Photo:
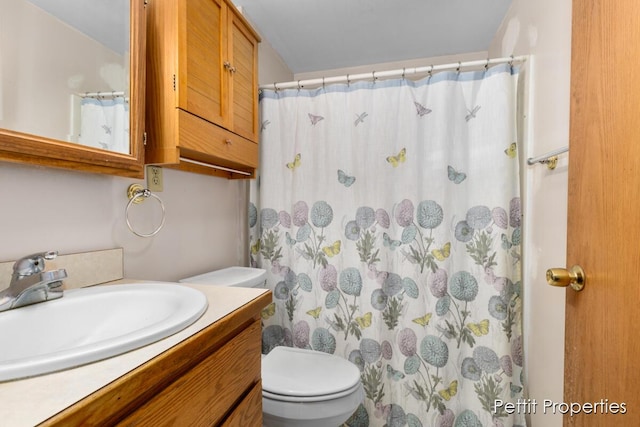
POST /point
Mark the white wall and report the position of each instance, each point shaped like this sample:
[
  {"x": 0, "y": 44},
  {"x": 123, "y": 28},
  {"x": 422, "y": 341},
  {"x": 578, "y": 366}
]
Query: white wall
[
  {"x": 388, "y": 66},
  {"x": 272, "y": 67},
  {"x": 50, "y": 209},
  {"x": 542, "y": 29}
]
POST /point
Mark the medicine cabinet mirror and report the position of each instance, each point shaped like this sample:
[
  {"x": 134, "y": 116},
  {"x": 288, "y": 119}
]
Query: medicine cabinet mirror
[{"x": 72, "y": 84}]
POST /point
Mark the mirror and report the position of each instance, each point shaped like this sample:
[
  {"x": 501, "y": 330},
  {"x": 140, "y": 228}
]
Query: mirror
[{"x": 72, "y": 84}]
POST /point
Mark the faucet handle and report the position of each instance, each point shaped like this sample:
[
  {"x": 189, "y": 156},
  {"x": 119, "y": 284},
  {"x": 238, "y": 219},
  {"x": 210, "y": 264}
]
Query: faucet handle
[{"x": 32, "y": 264}]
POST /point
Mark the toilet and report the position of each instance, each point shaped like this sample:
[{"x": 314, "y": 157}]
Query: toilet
[{"x": 300, "y": 387}]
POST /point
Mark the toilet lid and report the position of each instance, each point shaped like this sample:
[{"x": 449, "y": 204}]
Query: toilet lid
[{"x": 297, "y": 372}]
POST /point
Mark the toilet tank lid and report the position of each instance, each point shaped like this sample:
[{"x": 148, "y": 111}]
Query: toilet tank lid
[{"x": 246, "y": 277}]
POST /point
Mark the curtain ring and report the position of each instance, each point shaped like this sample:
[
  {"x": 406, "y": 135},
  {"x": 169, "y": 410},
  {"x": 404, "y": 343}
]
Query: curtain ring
[
  {"x": 486, "y": 66},
  {"x": 403, "y": 73},
  {"x": 322, "y": 82},
  {"x": 299, "y": 87},
  {"x": 275, "y": 86},
  {"x": 348, "y": 81},
  {"x": 373, "y": 75},
  {"x": 137, "y": 194},
  {"x": 459, "y": 65},
  {"x": 430, "y": 74}
]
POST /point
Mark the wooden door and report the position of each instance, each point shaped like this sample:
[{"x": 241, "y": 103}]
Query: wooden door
[
  {"x": 602, "y": 354},
  {"x": 243, "y": 54},
  {"x": 201, "y": 50}
]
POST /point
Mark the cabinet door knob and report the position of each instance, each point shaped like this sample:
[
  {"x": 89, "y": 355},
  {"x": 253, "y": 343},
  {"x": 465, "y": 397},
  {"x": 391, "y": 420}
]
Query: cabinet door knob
[{"x": 229, "y": 67}]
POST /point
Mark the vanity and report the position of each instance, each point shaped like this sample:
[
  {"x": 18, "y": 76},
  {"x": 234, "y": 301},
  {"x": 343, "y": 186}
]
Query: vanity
[{"x": 207, "y": 374}]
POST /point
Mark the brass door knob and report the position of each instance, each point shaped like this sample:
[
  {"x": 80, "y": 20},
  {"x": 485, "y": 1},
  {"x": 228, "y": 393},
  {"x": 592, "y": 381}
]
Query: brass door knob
[{"x": 562, "y": 277}]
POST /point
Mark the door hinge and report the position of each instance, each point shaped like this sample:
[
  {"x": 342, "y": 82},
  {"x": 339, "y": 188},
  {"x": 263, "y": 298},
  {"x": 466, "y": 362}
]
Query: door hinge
[
  {"x": 174, "y": 82},
  {"x": 144, "y": 138}
]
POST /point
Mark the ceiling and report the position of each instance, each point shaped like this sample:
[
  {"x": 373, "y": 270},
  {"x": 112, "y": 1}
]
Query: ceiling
[{"x": 315, "y": 35}]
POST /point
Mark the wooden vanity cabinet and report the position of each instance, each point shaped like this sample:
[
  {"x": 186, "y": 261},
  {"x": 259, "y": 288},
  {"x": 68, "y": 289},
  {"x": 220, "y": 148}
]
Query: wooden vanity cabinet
[
  {"x": 202, "y": 86},
  {"x": 210, "y": 379}
]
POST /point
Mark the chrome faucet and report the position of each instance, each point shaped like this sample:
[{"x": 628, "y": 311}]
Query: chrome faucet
[{"x": 30, "y": 284}]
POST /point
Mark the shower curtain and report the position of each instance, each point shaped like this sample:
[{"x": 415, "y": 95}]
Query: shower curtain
[
  {"x": 388, "y": 217},
  {"x": 104, "y": 123}
]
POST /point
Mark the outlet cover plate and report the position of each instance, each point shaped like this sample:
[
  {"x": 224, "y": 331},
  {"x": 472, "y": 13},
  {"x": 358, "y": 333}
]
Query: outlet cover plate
[{"x": 155, "y": 181}]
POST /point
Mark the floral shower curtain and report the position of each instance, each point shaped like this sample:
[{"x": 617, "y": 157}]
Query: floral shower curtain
[{"x": 387, "y": 215}]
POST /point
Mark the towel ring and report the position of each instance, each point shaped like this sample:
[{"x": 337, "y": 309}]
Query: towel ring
[{"x": 137, "y": 194}]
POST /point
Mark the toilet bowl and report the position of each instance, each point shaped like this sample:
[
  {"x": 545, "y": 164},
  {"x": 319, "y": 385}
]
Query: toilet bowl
[
  {"x": 308, "y": 388},
  {"x": 300, "y": 387}
]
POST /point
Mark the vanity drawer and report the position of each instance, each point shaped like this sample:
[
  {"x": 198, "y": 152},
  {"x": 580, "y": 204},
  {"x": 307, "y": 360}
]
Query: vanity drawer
[
  {"x": 209, "y": 391},
  {"x": 249, "y": 411}
]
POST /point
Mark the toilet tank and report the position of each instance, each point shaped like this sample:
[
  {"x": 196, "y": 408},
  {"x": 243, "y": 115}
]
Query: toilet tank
[{"x": 242, "y": 277}]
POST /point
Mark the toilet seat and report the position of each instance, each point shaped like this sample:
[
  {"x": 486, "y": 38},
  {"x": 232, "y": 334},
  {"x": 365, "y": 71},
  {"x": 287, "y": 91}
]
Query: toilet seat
[
  {"x": 303, "y": 399},
  {"x": 300, "y": 375}
]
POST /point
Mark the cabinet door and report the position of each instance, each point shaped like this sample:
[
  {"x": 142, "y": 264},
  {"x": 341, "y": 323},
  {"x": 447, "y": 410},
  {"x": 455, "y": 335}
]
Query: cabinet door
[
  {"x": 204, "y": 395},
  {"x": 202, "y": 78},
  {"x": 243, "y": 85},
  {"x": 249, "y": 411}
]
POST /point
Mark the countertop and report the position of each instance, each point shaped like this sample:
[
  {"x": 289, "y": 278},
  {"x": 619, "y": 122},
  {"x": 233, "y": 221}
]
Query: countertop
[{"x": 31, "y": 401}]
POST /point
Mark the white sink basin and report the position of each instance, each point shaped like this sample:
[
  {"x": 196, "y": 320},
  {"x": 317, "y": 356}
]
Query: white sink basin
[{"x": 91, "y": 324}]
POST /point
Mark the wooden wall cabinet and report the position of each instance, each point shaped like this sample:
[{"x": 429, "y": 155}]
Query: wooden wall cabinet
[
  {"x": 210, "y": 379},
  {"x": 202, "y": 87}
]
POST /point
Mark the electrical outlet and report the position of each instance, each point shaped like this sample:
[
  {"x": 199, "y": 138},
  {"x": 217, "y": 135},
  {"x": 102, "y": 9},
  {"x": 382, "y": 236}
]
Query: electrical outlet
[{"x": 154, "y": 178}]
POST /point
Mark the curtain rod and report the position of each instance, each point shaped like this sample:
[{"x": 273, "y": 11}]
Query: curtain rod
[
  {"x": 105, "y": 94},
  {"x": 394, "y": 73}
]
